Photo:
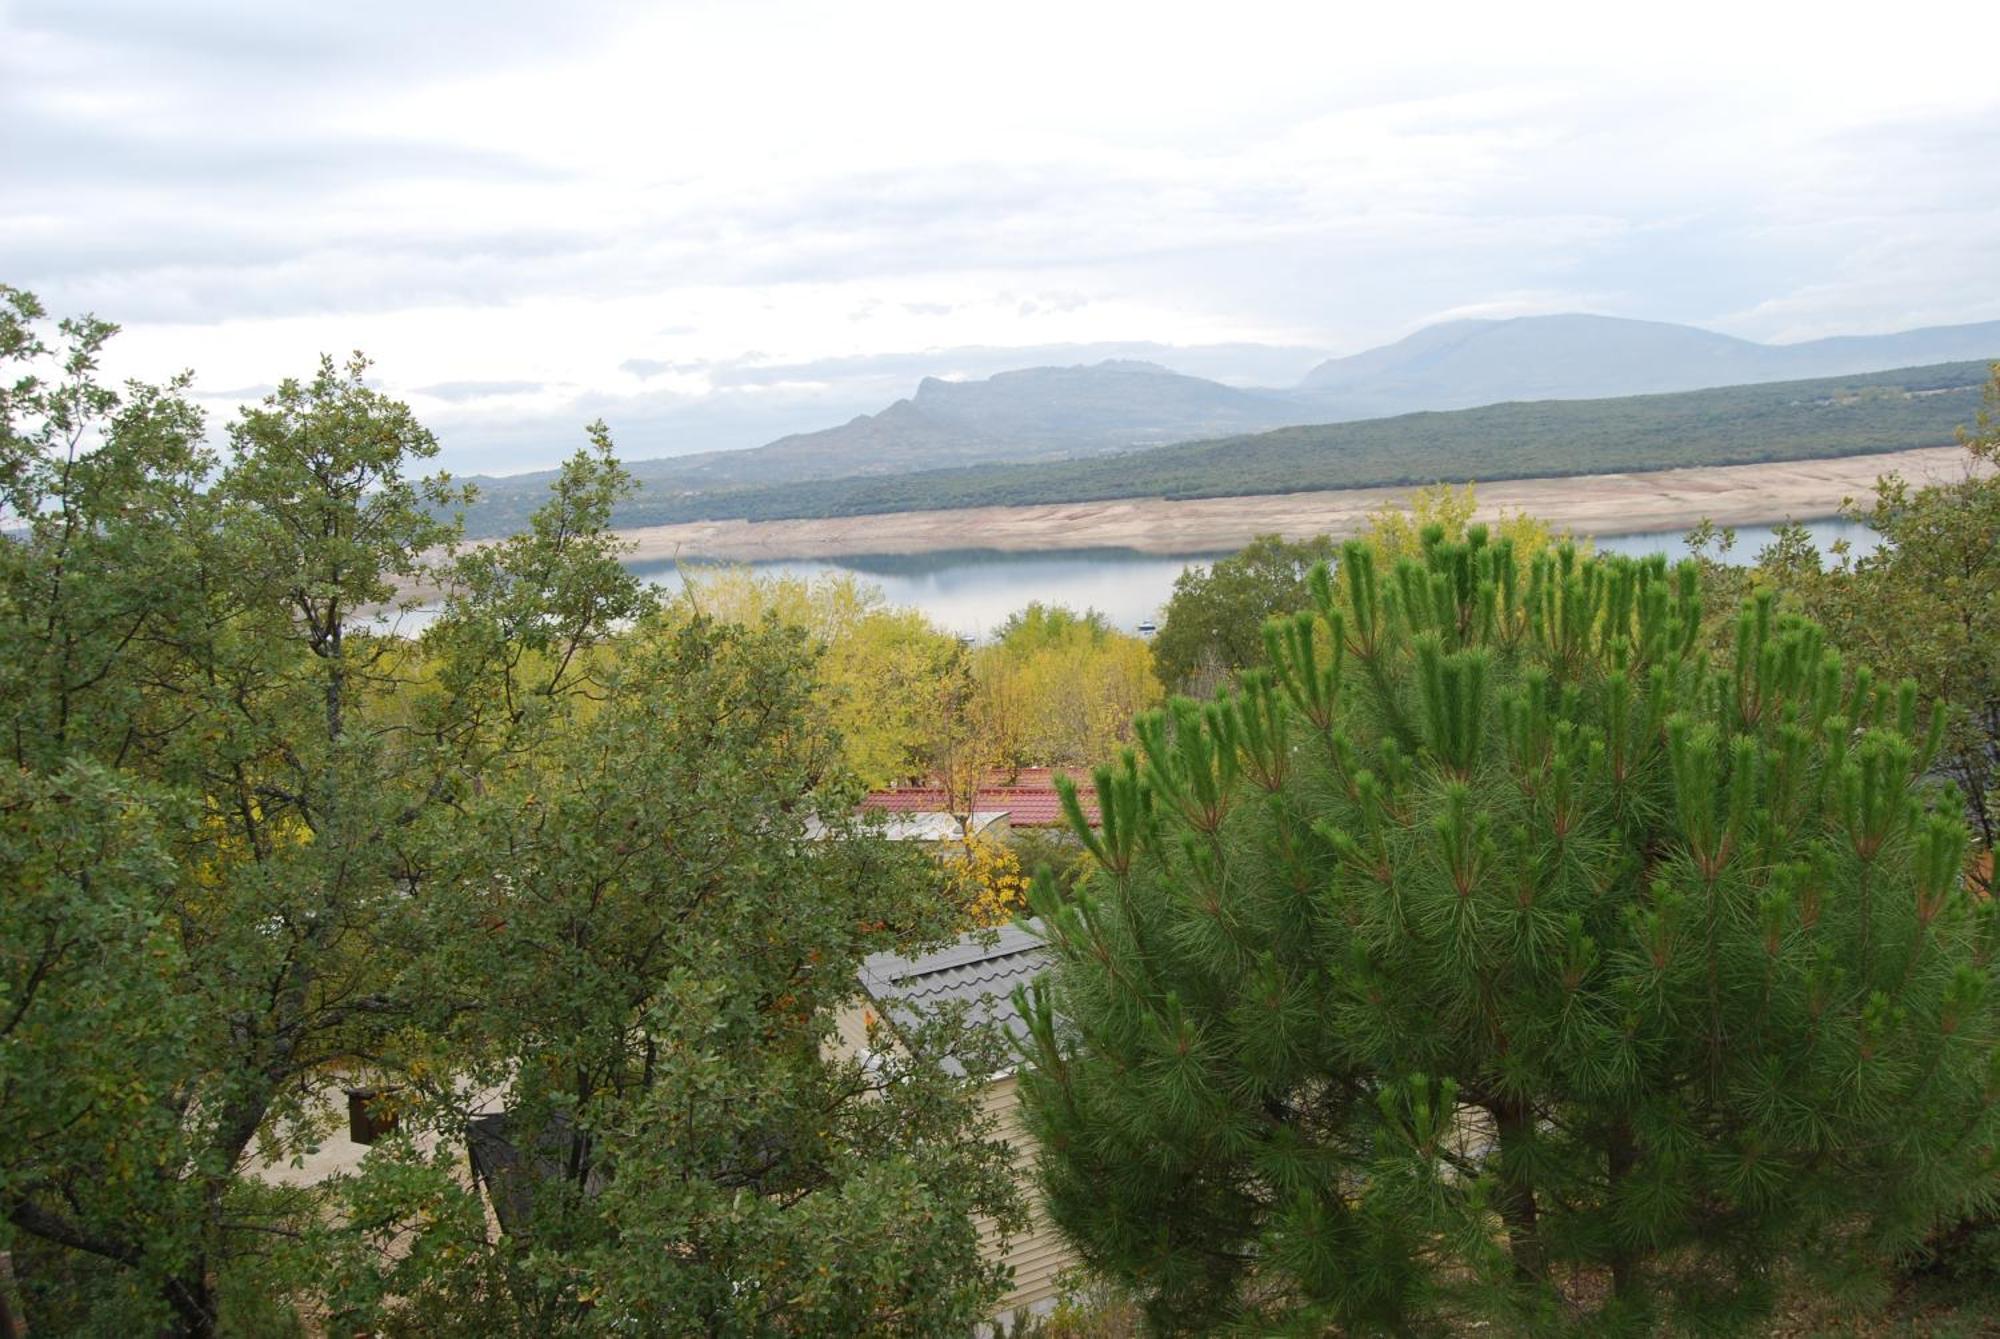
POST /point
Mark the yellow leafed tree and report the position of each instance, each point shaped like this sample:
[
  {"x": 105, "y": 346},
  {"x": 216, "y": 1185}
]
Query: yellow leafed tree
[
  {"x": 1397, "y": 530},
  {"x": 991, "y": 886},
  {"x": 1059, "y": 688},
  {"x": 885, "y": 672}
]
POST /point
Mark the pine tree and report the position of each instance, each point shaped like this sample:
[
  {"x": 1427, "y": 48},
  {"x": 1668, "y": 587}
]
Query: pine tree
[{"x": 1490, "y": 936}]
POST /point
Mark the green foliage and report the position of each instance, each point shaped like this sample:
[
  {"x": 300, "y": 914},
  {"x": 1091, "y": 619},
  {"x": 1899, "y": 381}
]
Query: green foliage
[
  {"x": 558, "y": 855},
  {"x": 1794, "y": 420},
  {"x": 537, "y": 601},
  {"x": 1491, "y": 931},
  {"x": 92, "y": 1028},
  {"x": 1925, "y": 604},
  {"x": 1213, "y": 623},
  {"x": 669, "y": 906},
  {"x": 1054, "y": 849},
  {"x": 222, "y": 826},
  {"x": 1038, "y": 625},
  {"x": 1088, "y": 1307},
  {"x": 1396, "y": 529},
  {"x": 887, "y": 674}
]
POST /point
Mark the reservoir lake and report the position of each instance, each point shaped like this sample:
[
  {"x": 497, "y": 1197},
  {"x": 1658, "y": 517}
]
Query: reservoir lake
[{"x": 972, "y": 592}]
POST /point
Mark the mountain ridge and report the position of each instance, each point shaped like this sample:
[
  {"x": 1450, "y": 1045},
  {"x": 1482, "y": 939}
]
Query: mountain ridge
[
  {"x": 1123, "y": 405},
  {"x": 1579, "y": 355},
  {"x": 1801, "y": 420}
]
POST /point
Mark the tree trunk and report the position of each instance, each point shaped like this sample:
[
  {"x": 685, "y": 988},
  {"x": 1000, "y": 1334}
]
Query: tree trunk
[
  {"x": 1515, "y": 1125},
  {"x": 1619, "y": 1157},
  {"x": 13, "y": 1313},
  {"x": 192, "y": 1298}
]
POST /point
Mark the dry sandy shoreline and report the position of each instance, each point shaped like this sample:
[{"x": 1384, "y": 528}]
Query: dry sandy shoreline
[{"x": 1597, "y": 504}]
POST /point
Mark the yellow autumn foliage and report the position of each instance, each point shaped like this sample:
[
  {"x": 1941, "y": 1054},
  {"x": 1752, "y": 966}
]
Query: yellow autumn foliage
[
  {"x": 988, "y": 878},
  {"x": 1059, "y": 690},
  {"x": 886, "y": 670},
  {"x": 1396, "y": 530}
]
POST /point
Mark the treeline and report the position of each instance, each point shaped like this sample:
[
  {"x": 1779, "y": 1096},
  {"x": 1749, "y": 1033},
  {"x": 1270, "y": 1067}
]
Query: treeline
[
  {"x": 570, "y": 875},
  {"x": 1213, "y": 624},
  {"x": 1525, "y": 944},
  {"x": 1832, "y": 416},
  {"x": 1923, "y": 604}
]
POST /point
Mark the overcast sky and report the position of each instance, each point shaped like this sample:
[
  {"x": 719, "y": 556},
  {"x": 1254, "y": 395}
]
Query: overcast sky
[{"x": 715, "y": 223}]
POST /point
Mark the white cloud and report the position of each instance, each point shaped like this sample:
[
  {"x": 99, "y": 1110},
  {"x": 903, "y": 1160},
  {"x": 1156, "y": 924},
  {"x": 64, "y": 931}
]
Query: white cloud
[{"x": 550, "y": 197}]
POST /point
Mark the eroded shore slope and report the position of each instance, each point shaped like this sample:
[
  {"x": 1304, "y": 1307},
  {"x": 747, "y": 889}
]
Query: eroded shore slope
[{"x": 1597, "y": 504}]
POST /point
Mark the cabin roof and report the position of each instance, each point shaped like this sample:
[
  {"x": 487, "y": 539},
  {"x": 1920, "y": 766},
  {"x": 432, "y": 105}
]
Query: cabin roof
[
  {"x": 1028, "y": 796},
  {"x": 979, "y": 969}
]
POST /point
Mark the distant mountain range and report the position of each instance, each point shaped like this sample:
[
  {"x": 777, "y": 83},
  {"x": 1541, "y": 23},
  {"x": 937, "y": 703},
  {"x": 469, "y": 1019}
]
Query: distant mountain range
[
  {"x": 1036, "y": 414},
  {"x": 1520, "y": 439},
  {"x": 1462, "y": 364},
  {"x": 1056, "y": 413},
  {"x": 1039, "y": 413}
]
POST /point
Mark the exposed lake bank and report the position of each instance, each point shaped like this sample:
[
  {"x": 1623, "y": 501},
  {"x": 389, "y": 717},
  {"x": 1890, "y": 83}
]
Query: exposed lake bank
[{"x": 1598, "y": 504}]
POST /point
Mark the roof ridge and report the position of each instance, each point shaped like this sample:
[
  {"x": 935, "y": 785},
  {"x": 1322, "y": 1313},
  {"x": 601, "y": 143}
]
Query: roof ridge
[
  {"x": 963, "y": 980},
  {"x": 997, "y": 956}
]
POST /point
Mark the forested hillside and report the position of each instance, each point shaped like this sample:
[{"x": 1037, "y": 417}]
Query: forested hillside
[
  {"x": 1034, "y": 414},
  {"x": 1040, "y": 414},
  {"x": 1795, "y": 420}
]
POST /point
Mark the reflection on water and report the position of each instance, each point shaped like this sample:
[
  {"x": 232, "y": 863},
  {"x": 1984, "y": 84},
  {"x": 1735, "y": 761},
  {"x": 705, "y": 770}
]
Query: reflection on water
[
  {"x": 1750, "y": 540},
  {"x": 971, "y": 592}
]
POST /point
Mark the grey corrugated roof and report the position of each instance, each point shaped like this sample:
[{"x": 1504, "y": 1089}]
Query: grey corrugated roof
[{"x": 980, "y": 968}]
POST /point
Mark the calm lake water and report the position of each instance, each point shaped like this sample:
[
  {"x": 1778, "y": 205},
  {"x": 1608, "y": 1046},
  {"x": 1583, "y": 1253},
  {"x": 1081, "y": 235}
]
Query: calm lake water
[{"x": 971, "y": 593}]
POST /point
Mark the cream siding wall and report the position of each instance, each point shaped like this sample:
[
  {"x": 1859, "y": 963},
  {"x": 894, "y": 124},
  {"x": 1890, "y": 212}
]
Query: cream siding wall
[
  {"x": 850, "y": 1031},
  {"x": 1037, "y": 1253}
]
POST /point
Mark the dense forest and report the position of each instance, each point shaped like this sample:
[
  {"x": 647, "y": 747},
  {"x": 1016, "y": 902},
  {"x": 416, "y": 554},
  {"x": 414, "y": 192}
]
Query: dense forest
[
  {"x": 1737, "y": 425},
  {"x": 1506, "y": 938}
]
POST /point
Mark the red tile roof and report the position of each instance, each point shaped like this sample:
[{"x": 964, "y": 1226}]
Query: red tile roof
[{"x": 1030, "y": 802}]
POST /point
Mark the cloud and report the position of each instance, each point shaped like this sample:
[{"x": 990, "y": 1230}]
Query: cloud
[
  {"x": 647, "y": 367},
  {"x": 363, "y": 43},
  {"x": 479, "y": 390},
  {"x": 604, "y": 205},
  {"x": 58, "y": 152},
  {"x": 1546, "y": 302}
]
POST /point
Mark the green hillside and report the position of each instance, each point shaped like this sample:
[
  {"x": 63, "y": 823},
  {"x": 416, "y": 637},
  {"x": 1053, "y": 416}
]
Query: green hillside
[{"x": 1794, "y": 420}]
